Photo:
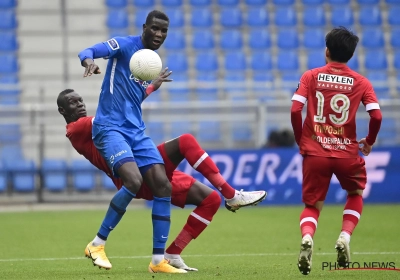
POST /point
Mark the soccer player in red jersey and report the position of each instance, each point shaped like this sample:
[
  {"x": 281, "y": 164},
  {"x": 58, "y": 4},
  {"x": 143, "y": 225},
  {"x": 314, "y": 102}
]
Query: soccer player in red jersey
[
  {"x": 327, "y": 139},
  {"x": 185, "y": 189}
]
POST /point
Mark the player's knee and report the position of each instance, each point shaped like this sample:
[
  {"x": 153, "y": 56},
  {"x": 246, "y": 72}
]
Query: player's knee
[
  {"x": 163, "y": 188},
  {"x": 187, "y": 137},
  {"x": 214, "y": 201},
  {"x": 133, "y": 184},
  {"x": 318, "y": 205},
  {"x": 355, "y": 192}
]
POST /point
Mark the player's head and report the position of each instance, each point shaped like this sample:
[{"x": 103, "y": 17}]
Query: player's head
[
  {"x": 70, "y": 105},
  {"x": 340, "y": 44},
  {"x": 155, "y": 30}
]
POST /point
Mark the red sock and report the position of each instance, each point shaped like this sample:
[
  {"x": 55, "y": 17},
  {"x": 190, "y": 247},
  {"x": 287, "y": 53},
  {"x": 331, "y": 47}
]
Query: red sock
[
  {"x": 198, "y": 220},
  {"x": 199, "y": 160},
  {"x": 352, "y": 212},
  {"x": 309, "y": 221}
]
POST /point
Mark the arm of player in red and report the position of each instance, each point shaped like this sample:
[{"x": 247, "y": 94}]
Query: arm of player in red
[
  {"x": 297, "y": 120},
  {"x": 374, "y": 126}
]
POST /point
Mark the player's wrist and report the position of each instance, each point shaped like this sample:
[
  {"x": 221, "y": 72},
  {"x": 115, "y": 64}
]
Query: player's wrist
[
  {"x": 87, "y": 61},
  {"x": 369, "y": 141},
  {"x": 150, "y": 89}
]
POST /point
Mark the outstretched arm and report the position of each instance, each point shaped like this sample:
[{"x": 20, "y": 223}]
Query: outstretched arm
[{"x": 88, "y": 55}]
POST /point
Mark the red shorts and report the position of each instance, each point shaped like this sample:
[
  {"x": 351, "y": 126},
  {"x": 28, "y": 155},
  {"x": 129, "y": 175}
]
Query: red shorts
[
  {"x": 181, "y": 184},
  {"x": 318, "y": 171}
]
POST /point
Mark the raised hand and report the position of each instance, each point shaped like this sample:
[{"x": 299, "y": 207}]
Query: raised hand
[{"x": 163, "y": 77}]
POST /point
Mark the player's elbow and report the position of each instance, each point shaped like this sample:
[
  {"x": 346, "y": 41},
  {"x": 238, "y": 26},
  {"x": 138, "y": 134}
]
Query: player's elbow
[
  {"x": 296, "y": 108},
  {"x": 376, "y": 115}
]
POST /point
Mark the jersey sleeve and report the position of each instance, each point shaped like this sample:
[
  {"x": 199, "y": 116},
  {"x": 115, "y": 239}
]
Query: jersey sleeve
[
  {"x": 116, "y": 46},
  {"x": 369, "y": 98},
  {"x": 302, "y": 88}
]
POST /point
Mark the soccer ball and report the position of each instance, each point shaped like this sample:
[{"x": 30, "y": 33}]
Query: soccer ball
[{"x": 145, "y": 65}]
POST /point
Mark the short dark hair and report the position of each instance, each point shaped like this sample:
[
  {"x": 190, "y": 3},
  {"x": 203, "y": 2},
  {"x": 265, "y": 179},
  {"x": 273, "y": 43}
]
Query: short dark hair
[
  {"x": 156, "y": 14},
  {"x": 60, "y": 98},
  {"x": 341, "y": 43}
]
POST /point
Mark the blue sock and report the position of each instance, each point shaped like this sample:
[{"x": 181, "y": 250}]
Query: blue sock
[
  {"x": 161, "y": 223},
  {"x": 115, "y": 212}
]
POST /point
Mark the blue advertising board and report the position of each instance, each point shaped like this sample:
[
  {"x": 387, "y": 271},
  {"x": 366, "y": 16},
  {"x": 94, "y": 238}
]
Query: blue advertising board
[{"x": 279, "y": 172}]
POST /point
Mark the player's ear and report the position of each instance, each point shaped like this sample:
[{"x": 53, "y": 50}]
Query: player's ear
[
  {"x": 61, "y": 110},
  {"x": 144, "y": 27},
  {"x": 327, "y": 54}
]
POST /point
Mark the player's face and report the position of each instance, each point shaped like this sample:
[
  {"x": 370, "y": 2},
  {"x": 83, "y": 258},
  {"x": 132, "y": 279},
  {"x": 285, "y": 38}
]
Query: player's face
[
  {"x": 74, "y": 107},
  {"x": 155, "y": 33}
]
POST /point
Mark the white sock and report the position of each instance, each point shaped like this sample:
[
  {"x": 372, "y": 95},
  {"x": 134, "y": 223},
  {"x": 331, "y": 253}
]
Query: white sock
[
  {"x": 346, "y": 236},
  {"x": 172, "y": 256},
  {"x": 156, "y": 259},
  {"x": 97, "y": 241},
  {"x": 307, "y": 235}
]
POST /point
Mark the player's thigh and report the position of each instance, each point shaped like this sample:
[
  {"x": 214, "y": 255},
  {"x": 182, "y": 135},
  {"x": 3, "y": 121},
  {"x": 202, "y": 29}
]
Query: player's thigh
[
  {"x": 114, "y": 148},
  {"x": 181, "y": 186},
  {"x": 197, "y": 193},
  {"x": 317, "y": 174},
  {"x": 145, "y": 151},
  {"x": 172, "y": 151},
  {"x": 165, "y": 150},
  {"x": 351, "y": 173}
]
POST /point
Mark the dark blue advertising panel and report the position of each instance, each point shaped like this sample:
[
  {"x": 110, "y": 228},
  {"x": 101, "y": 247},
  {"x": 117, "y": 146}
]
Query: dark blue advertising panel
[{"x": 279, "y": 172}]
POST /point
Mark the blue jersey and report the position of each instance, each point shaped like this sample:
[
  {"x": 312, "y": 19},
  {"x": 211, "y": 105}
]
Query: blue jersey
[{"x": 121, "y": 93}]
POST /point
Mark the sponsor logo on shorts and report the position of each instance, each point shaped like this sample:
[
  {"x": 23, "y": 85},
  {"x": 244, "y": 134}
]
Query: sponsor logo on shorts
[
  {"x": 113, "y": 44},
  {"x": 113, "y": 157},
  {"x": 337, "y": 82},
  {"x": 120, "y": 153}
]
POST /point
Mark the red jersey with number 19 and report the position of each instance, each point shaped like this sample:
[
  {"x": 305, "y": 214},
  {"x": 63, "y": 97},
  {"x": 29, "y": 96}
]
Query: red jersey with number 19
[{"x": 333, "y": 94}]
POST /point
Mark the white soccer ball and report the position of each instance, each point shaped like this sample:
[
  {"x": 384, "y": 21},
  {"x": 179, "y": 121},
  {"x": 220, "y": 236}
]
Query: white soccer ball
[{"x": 145, "y": 64}]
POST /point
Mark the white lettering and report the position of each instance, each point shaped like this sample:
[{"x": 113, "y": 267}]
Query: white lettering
[
  {"x": 375, "y": 175},
  {"x": 268, "y": 164},
  {"x": 293, "y": 170},
  {"x": 242, "y": 168},
  {"x": 328, "y": 78}
]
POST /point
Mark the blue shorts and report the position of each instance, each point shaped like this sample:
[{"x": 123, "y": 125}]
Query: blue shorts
[{"x": 120, "y": 146}]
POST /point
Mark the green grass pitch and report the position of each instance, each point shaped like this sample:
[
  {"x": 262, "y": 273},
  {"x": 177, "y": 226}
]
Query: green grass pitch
[{"x": 254, "y": 243}]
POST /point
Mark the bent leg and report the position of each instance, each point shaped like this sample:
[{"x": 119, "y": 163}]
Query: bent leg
[
  {"x": 208, "y": 201},
  {"x": 200, "y": 161}
]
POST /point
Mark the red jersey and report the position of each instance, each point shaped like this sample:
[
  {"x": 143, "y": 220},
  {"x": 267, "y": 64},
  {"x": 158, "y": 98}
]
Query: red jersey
[
  {"x": 80, "y": 135},
  {"x": 333, "y": 94}
]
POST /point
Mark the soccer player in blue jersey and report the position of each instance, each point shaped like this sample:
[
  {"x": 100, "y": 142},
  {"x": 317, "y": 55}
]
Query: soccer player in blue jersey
[{"x": 118, "y": 134}]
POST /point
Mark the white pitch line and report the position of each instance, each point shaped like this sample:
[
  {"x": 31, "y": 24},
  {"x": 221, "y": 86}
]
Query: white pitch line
[{"x": 198, "y": 256}]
